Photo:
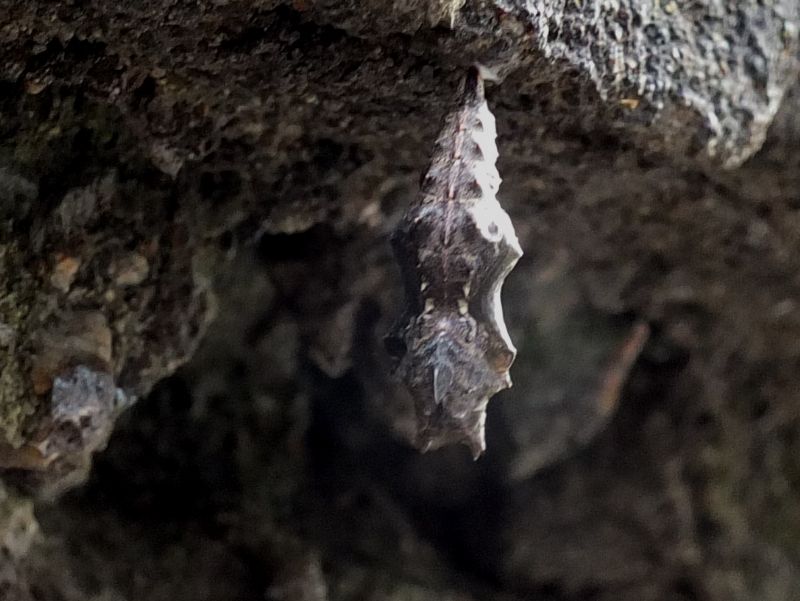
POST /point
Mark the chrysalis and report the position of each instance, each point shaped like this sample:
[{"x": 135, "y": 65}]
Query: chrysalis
[{"x": 455, "y": 246}]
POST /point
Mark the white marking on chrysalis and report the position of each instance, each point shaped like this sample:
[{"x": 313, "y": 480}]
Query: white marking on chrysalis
[{"x": 487, "y": 73}]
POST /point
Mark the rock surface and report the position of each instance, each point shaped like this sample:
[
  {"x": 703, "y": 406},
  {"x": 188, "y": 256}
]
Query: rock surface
[{"x": 163, "y": 162}]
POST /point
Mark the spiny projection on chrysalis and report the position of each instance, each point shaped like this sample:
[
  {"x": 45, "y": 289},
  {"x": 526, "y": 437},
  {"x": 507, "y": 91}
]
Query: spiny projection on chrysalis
[{"x": 455, "y": 246}]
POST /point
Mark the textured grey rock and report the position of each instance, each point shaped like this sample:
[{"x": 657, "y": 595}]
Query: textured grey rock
[{"x": 703, "y": 79}]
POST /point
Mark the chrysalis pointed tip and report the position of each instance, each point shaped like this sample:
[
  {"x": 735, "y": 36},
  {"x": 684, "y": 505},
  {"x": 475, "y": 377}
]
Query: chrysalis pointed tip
[{"x": 424, "y": 443}]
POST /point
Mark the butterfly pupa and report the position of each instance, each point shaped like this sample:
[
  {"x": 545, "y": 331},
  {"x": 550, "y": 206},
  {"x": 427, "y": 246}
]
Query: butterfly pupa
[{"x": 455, "y": 246}]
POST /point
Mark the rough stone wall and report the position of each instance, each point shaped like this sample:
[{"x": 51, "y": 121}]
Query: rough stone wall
[{"x": 165, "y": 162}]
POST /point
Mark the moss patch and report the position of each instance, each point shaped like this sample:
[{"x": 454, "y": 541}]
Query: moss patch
[{"x": 17, "y": 402}]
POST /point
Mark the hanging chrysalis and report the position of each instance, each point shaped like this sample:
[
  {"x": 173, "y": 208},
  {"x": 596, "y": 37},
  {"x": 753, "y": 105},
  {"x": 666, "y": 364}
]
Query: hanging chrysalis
[{"x": 455, "y": 246}]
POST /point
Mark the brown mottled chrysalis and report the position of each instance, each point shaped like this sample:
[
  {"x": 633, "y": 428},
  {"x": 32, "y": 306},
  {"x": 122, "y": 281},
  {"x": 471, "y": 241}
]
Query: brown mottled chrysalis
[{"x": 455, "y": 246}]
